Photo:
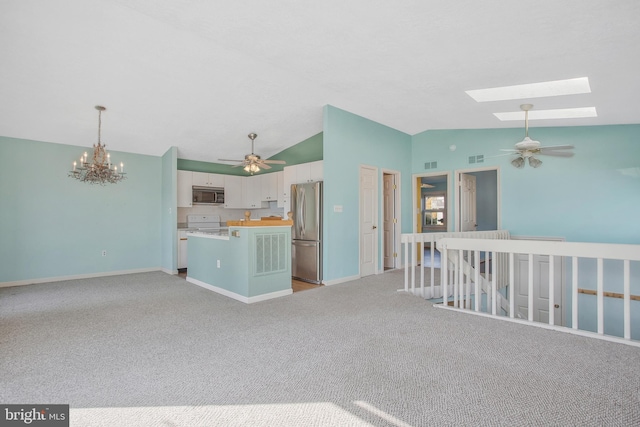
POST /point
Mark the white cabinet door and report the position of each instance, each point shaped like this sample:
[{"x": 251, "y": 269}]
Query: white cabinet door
[
  {"x": 182, "y": 249},
  {"x": 302, "y": 173},
  {"x": 316, "y": 170},
  {"x": 202, "y": 179},
  {"x": 281, "y": 195},
  {"x": 252, "y": 192},
  {"x": 269, "y": 187},
  {"x": 233, "y": 198},
  {"x": 216, "y": 180},
  {"x": 184, "y": 189}
]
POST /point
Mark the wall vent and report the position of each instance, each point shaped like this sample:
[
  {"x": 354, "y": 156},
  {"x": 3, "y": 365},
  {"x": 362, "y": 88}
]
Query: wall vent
[
  {"x": 431, "y": 165},
  {"x": 271, "y": 252},
  {"x": 476, "y": 159}
]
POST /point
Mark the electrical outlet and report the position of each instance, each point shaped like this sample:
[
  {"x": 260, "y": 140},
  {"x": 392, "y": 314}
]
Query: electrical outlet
[
  {"x": 104, "y": 252},
  {"x": 218, "y": 264}
]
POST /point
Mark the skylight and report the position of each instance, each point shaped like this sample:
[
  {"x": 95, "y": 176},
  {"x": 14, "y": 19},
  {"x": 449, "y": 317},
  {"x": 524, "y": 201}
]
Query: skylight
[
  {"x": 532, "y": 90},
  {"x": 563, "y": 113}
]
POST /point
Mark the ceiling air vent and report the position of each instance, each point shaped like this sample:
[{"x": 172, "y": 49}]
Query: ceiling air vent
[
  {"x": 431, "y": 165},
  {"x": 476, "y": 159}
]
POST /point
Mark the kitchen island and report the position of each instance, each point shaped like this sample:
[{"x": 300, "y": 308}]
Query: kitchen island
[{"x": 248, "y": 263}]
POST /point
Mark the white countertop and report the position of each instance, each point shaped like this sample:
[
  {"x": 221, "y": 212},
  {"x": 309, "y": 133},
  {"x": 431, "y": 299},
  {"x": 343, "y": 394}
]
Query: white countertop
[{"x": 210, "y": 234}]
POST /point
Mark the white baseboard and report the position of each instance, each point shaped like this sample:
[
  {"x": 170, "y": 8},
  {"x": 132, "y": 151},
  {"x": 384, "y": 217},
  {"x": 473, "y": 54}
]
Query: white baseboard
[
  {"x": 238, "y": 297},
  {"x": 341, "y": 280},
  {"x": 171, "y": 272},
  {"x": 77, "y": 276}
]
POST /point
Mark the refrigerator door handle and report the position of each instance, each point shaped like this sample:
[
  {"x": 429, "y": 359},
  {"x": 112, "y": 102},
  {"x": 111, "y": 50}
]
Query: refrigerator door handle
[{"x": 301, "y": 205}]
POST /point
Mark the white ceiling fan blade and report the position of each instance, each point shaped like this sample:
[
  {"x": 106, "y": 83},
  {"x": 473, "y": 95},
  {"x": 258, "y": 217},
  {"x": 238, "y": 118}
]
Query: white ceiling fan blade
[
  {"x": 512, "y": 152},
  {"x": 264, "y": 165},
  {"x": 556, "y": 153},
  {"x": 509, "y": 149},
  {"x": 230, "y": 160},
  {"x": 558, "y": 147},
  {"x": 275, "y": 162}
]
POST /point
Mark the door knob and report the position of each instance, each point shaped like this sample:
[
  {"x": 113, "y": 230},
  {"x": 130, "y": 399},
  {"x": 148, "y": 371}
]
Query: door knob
[
  {"x": 556, "y": 305},
  {"x": 374, "y": 227}
]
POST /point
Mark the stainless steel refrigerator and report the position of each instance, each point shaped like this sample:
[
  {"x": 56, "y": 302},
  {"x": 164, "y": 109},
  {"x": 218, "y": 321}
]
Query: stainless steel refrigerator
[{"x": 306, "y": 250}]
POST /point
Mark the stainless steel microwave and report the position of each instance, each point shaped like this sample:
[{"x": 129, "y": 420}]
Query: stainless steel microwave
[{"x": 207, "y": 195}]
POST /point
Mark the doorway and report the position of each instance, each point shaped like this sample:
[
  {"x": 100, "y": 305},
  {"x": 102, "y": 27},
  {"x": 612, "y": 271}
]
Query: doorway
[
  {"x": 368, "y": 220},
  {"x": 391, "y": 218},
  {"x": 431, "y": 203},
  {"x": 478, "y": 199}
]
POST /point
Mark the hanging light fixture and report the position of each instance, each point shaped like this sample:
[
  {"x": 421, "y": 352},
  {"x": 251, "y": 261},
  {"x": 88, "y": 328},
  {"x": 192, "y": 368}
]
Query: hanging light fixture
[{"x": 100, "y": 170}]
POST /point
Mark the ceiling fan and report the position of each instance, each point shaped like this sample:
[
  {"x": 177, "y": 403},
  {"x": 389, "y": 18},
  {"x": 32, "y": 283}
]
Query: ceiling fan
[
  {"x": 252, "y": 162},
  {"x": 528, "y": 148}
]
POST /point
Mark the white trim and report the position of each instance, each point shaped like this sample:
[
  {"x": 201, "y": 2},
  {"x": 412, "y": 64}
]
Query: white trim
[
  {"x": 77, "y": 276},
  {"x": 341, "y": 280},
  {"x": 397, "y": 178},
  {"x": 238, "y": 297},
  {"x": 545, "y": 326},
  {"x": 171, "y": 272}
]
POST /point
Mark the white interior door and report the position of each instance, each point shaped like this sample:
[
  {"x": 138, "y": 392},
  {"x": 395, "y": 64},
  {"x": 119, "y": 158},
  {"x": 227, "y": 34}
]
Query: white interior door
[
  {"x": 541, "y": 287},
  {"x": 368, "y": 220},
  {"x": 468, "y": 217},
  {"x": 388, "y": 238}
]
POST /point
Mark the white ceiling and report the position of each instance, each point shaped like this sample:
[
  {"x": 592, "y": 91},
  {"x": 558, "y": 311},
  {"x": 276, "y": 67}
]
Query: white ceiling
[{"x": 202, "y": 74}]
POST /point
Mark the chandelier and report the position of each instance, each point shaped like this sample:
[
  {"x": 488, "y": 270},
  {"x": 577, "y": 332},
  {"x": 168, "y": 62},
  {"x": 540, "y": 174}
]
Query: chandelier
[{"x": 100, "y": 170}]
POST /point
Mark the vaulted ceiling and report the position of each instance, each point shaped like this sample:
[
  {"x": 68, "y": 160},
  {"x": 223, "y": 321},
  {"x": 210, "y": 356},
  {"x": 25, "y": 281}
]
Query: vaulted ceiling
[{"x": 202, "y": 74}]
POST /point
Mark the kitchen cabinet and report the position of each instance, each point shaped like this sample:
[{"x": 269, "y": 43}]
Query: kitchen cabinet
[
  {"x": 282, "y": 203},
  {"x": 309, "y": 172},
  {"x": 202, "y": 179},
  {"x": 269, "y": 186},
  {"x": 233, "y": 198},
  {"x": 184, "y": 189},
  {"x": 252, "y": 192},
  {"x": 298, "y": 174},
  {"x": 182, "y": 249}
]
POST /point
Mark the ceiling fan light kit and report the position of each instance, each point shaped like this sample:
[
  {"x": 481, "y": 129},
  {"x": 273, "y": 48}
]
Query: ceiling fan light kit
[
  {"x": 529, "y": 148},
  {"x": 252, "y": 163}
]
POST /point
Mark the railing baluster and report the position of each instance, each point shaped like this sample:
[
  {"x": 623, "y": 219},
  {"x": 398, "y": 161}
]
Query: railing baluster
[
  {"x": 574, "y": 292},
  {"x": 512, "y": 285},
  {"x": 600, "y": 296},
  {"x": 552, "y": 317},
  {"x": 444, "y": 274},
  {"x": 530, "y": 289},
  {"x": 406, "y": 265},
  {"x": 422, "y": 267},
  {"x": 494, "y": 287},
  {"x": 414, "y": 262},
  {"x": 477, "y": 279},
  {"x": 432, "y": 275},
  {"x": 627, "y": 300}
]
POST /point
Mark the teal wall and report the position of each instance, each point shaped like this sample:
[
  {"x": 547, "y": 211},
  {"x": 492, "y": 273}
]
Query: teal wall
[
  {"x": 169, "y": 205},
  {"x": 305, "y": 151},
  {"x": 54, "y": 226},
  {"x": 349, "y": 142},
  {"x": 591, "y": 197}
]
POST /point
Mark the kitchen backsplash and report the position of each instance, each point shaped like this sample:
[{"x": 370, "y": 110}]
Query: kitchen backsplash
[{"x": 228, "y": 214}]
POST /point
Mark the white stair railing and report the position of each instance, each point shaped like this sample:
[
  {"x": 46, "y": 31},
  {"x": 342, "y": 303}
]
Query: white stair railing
[
  {"x": 415, "y": 244},
  {"x": 627, "y": 257}
]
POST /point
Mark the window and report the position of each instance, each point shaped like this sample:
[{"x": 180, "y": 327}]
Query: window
[{"x": 434, "y": 212}]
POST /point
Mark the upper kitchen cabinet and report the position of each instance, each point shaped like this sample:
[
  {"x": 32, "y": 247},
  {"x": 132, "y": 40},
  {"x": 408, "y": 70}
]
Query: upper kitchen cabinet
[
  {"x": 269, "y": 189},
  {"x": 298, "y": 174},
  {"x": 202, "y": 179},
  {"x": 233, "y": 192},
  {"x": 185, "y": 182},
  {"x": 304, "y": 172}
]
